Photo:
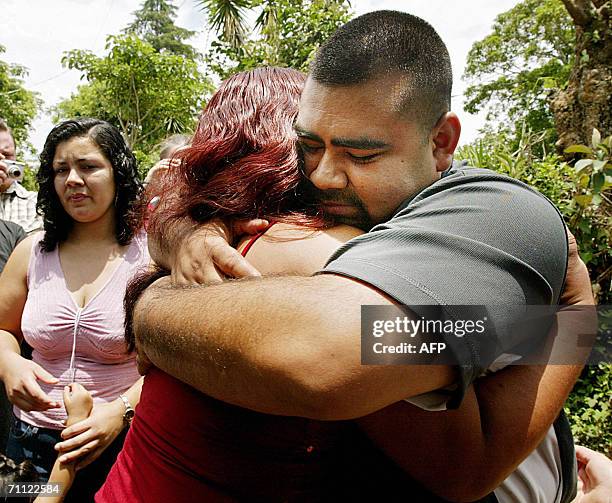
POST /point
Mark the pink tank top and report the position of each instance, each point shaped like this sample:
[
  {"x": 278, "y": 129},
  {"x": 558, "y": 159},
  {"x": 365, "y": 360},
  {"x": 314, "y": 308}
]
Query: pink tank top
[{"x": 84, "y": 345}]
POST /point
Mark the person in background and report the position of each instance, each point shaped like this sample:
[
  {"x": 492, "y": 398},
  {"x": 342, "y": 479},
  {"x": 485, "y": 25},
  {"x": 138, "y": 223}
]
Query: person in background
[
  {"x": 61, "y": 291},
  {"x": 10, "y": 235},
  {"x": 17, "y": 204},
  {"x": 594, "y": 476},
  {"x": 78, "y": 403},
  {"x": 169, "y": 147}
]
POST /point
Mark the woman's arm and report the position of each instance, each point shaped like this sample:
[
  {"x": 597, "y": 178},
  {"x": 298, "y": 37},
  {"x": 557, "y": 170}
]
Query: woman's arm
[
  {"x": 19, "y": 375},
  {"x": 89, "y": 438}
]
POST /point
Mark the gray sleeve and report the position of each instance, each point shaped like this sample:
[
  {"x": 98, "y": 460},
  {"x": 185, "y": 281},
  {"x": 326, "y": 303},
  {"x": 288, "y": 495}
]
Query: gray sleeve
[
  {"x": 10, "y": 235},
  {"x": 470, "y": 240}
]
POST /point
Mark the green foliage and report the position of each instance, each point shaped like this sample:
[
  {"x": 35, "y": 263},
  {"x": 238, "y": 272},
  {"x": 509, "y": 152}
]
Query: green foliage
[
  {"x": 287, "y": 33},
  {"x": 584, "y": 200},
  {"x": 589, "y": 408},
  {"x": 29, "y": 179},
  {"x": 513, "y": 70},
  {"x": 154, "y": 24},
  {"x": 18, "y": 106},
  {"x": 227, "y": 18},
  {"x": 147, "y": 94},
  {"x": 591, "y": 210}
]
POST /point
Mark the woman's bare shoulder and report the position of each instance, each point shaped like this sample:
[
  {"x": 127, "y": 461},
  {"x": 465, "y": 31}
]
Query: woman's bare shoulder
[
  {"x": 20, "y": 256},
  {"x": 292, "y": 250}
]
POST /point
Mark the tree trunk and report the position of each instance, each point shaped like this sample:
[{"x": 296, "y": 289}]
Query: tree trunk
[{"x": 586, "y": 101}]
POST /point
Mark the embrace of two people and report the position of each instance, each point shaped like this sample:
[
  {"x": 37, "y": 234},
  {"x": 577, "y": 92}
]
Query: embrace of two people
[
  {"x": 254, "y": 389},
  {"x": 257, "y": 390}
]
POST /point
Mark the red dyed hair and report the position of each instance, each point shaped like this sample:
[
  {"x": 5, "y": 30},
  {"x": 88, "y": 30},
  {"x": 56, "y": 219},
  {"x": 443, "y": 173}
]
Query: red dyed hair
[{"x": 243, "y": 161}]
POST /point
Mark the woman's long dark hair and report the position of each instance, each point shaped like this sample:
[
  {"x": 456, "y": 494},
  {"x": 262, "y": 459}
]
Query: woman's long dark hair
[
  {"x": 57, "y": 223},
  {"x": 242, "y": 163}
]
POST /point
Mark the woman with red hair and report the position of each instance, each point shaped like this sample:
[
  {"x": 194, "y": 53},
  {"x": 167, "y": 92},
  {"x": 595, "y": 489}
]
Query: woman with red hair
[{"x": 184, "y": 445}]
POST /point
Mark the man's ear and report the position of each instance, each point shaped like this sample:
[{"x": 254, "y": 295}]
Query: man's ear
[{"x": 445, "y": 136}]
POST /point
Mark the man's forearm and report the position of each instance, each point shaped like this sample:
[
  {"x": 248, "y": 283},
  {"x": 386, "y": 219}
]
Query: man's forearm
[{"x": 287, "y": 346}]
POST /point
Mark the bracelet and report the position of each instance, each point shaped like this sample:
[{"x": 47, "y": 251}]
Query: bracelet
[{"x": 128, "y": 415}]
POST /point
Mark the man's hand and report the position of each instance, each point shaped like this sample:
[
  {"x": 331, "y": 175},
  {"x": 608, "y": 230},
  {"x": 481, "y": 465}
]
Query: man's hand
[
  {"x": 206, "y": 255},
  {"x": 4, "y": 178}
]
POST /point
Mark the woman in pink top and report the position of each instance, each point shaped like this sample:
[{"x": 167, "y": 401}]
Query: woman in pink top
[{"x": 62, "y": 291}]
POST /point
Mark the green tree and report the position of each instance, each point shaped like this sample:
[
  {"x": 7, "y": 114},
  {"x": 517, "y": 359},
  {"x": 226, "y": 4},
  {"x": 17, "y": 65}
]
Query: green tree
[
  {"x": 286, "y": 32},
  {"x": 227, "y": 18},
  {"x": 585, "y": 103},
  {"x": 154, "y": 24},
  {"x": 147, "y": 94},
  {"x": 18, "y": 106},
  {"x": 516, "y": 68}
]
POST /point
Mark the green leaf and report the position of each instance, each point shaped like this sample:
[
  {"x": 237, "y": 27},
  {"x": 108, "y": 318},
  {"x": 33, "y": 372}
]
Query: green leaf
[
  {"x": 584, "y": 200},
  {"x": 582, "y": 164},
  {"x": 584, "y": 226},
  {"x": 599, "y": 165},
  {"x": 595, "y": 138},
  {"x": 586, "y": 257},
  {"x": 598, "y": 181},
  {"x": 582, "y": 149}
]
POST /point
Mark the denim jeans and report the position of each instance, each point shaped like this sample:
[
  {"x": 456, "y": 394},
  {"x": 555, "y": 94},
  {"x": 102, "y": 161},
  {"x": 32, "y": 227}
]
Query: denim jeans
[{"x": 35, "y": 444}]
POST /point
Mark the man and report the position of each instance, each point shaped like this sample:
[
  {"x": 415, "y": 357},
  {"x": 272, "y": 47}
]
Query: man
[
  {"x": 17, "y": 204},
  {"x": 378, "y": 138},
  {"x": 10, "y": 235}
]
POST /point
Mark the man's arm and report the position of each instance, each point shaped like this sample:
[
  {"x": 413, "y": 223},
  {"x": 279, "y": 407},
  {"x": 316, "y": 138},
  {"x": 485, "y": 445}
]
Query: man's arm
[{"x": 273, "y": 357}]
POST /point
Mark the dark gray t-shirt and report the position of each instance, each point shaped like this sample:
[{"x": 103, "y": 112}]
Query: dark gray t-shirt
[
  {"x": 10, "y": 235},
  {"x": 474, "y": 237}
]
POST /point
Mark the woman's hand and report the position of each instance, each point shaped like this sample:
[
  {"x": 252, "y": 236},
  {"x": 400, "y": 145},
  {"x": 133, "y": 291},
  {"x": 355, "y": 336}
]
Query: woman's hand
[
  {"x": 87, "y": 439},
  {"x": 594, "y": 477},
  {"x": 21, "y": 378}
]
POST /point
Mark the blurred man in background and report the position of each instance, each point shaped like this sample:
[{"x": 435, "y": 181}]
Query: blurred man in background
[{"x": 17, "y": 204}]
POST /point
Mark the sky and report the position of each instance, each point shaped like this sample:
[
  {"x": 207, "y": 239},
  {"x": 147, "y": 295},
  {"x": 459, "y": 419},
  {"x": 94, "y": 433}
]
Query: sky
[{"x": 36, "y": 33}]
